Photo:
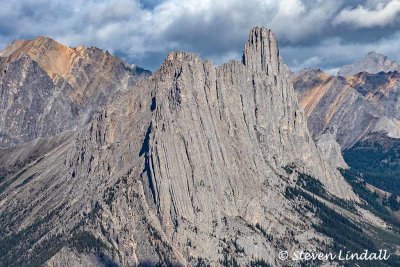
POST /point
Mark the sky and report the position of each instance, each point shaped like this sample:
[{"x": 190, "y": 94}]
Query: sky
[{"x": 311, "y": 33}]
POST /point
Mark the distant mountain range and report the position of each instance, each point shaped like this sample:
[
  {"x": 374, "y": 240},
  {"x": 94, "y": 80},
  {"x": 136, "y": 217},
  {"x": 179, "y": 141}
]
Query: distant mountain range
[
  {"x": 359, "y": 109},
  {"x": 373, "y": 63},
  {"x": 105, "y": 164}
]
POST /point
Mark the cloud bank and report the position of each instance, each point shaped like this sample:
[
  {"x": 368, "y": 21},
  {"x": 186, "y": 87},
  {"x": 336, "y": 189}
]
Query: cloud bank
[
  {"x": 312, "y": 33},
  {"x": 361, "y": 17}
]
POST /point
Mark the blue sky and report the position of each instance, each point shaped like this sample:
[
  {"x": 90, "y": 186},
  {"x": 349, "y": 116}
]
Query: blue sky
[{"x": 311, "y": 33}]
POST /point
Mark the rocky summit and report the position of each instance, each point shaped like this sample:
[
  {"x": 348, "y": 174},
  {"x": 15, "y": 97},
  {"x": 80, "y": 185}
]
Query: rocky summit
[
  {"x": 196, "y": 165},
  {"x": 372, "y": 63},
  {"x": 47, "y": 88},
  {"x": 355, "y": 120},
  {"x": 351, "y": 107}
]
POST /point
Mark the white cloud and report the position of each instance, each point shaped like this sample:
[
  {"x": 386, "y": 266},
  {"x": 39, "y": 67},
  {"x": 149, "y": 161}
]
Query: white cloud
[
  {"x": 332, "y": 71},
  {"x": 127, "y": 26},
  {"x": 333, "y": 53},
  {"x": 383, "y": 13},
  {"x": 144, "y": 31}
]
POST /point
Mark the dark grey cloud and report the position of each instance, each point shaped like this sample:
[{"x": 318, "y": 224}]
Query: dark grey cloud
[{"x": 311, "y": 33}]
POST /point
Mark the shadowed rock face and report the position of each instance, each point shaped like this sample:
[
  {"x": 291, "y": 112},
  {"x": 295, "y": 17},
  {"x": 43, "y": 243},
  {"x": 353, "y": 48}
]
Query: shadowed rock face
[
  {"x": 47, "y": 88},
  {"x": 186, "y": 168},
  {"x": 373, "y": 63},
  {"x": 353, "y": 106}
]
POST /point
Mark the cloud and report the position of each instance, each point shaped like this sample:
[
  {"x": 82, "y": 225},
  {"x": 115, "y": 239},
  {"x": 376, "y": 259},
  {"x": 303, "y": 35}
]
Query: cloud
[
  {"x": 213, "y": 28},
  {"x": 382, "y": 14},
  {"x": 331, "y": 53},
  {"x": 144, "y": 31}
]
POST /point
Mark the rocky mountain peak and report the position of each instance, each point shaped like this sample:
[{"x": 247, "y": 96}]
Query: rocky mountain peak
[
  {"x": 65, "y": 63},
  {"x": 182, "y": 56},
  {"x": 355, "y": 104},
  {"x": 261, "y": 52},
  {"x": 381, "y": 61},
  {"x": 45, "y": 41},
  {"x": 53, "y": 57},
  {"x": 310, "y": 71},
  {"x": 372, "y": 63},
  {"x": 31, "y": 46},
  {"x": 48, "y": 87},
  {"x": 375, "y": 56},
  {"x": 180, "y": 164}
]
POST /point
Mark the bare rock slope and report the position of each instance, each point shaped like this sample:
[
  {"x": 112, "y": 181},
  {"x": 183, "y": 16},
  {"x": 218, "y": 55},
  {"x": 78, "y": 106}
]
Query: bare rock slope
[
  {"x": 195, "y": 165},
  {"x": 357, "y": 116},
  {"x": 351, "y": 107},
  {"x": 372, "y": 63},
  {"x": 47, "y": 88}
]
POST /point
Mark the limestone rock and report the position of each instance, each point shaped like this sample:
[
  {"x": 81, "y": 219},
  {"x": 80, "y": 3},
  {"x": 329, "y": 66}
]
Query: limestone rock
[
  {"x": 331, "y": 149},
  {"x": 47, "y": 88},
  {"x": 355, "y": 105},
  {"x": 187, "y": 168},
  {"x": 391, "y": 127},
  {"x": 372, "y": 63}
]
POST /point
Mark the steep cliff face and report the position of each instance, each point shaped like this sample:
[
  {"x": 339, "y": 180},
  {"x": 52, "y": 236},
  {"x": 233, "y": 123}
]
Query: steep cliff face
[
  {"x": 47, "y": 88},
  {"x": 194, "y": 165}
]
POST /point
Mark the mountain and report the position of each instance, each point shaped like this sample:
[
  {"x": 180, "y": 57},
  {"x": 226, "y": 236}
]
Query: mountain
[
  {"x": 376, "y": 159},
  {"x": 373, "y": 63},
  {"x": 353, "y": 106},
  {"x": 195, "y": 165},
  {"x": 47, "y": 88},
  {"x": 361, "y": 113}
]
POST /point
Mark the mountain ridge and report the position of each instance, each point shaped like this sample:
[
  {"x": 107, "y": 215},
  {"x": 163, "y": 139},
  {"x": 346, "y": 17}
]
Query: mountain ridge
[
  {"x": 359, "y": 114},
  {"x": 48, "y": 88},
  {"x": 59, "y": 60},
  {"x": 371, "y": 63},
  {"x": 194, "y": 165},
  {"x": 331, "y": 101}
]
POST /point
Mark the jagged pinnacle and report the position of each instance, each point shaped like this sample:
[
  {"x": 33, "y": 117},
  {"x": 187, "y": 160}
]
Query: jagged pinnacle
[{"x": 261, "y": 52}]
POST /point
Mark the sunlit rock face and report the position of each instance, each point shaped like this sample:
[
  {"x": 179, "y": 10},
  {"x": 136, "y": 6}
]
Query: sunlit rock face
[
  {"x": 47, "y": 88},
  {"x": 187, "y": 167},
  {"x": 373, "y": 63},
  {"x": 352, "y": 107}
]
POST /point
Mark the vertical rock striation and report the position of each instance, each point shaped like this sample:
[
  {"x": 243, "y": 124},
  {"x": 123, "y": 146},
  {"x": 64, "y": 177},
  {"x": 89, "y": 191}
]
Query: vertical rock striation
[{"x": 187, "y": 168}]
